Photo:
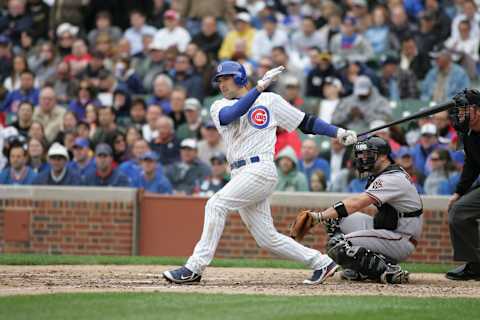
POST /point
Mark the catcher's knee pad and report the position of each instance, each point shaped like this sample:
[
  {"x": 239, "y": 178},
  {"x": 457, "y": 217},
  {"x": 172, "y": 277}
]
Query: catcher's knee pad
[
  {"x": 332, "y": 227},
  {"x": 359, "y": 259}
]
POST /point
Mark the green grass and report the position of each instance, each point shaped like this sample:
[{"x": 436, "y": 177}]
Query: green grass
[
  {"x": 42, "y": 259},
  {"x": 179, "y": 306}
]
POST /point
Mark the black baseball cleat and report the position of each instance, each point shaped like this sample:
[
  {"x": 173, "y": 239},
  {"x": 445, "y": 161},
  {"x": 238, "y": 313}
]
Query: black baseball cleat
[
  {"x": 468, "y": 271},
  {"x": 395, "y": 275},
  {"x": 182, "y": 275},
  {"x": 352, "y": 275}
]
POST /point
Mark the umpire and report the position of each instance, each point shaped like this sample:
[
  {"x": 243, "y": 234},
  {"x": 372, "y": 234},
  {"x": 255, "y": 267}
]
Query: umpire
[{"x": 464, "y": 205}]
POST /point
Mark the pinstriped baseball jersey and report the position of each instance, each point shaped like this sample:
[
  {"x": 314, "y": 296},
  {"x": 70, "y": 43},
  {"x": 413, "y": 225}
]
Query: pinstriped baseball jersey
[{"x": 255, "y": 132}]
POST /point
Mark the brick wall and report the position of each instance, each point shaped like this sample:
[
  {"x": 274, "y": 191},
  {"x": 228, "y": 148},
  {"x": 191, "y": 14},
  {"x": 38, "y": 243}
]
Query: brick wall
[{"x": 73, "y": 222}]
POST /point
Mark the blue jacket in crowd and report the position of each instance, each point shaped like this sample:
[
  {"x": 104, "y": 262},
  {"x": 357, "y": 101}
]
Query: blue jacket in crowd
[
  {"x": 115, "y": 179},
  {"x": 319, "y": 164},
  {"x": 7, "y": 178},
  {"x": 160, "y": 184},
  {"x": 15, "y": 97},
  {"x": 71, "y": 178},
  {"x": 89, "y": 168}
]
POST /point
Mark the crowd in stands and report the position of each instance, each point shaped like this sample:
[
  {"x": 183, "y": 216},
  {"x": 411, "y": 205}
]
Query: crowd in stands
[{"x": 117, "y": 93}]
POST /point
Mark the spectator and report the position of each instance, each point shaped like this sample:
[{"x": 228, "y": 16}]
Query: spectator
[
  {"x": 27, "y": 92},
  {"x": 331, "y": 28},
  {"x": 82, "y": 161},
  {"x": 365, "y": 105},
  {"x": 280, "y": 57},
  {"x": 44, "y": 64},
  {"x": 268, "y": 38},
  {"x": 205, "y": 68},
  {"x": 136, "y": 31},
  {"x": 24, "y": 118},
  {"x": 211, "y": 143},
  {"x": 20, "y": 65},
  {"x": 292, "y": 93},
  {"x": 332, "y": 90},
  {"x": 291, "y": 139},
  {"x": 162, "y": 88},
  {"x": 447, "y": 135},
  {"x": 404, "y": 158},
  {"x": 442, "y": 169},
  {"x": 322, "y": 68},
  {"x": 442, "y": 20},
  {"x": 208, "y": 39},
  {"x": 66, "y": 36},
  {"x": 18, "y": 172},
  {"x": 105, "y": 174},
  {"x": 131, "y": 135},
  {"x": 349, "y": 45},
  {"x": 94, "y": 68},
  {"x": 83, "y": 129},
  {"x": 49, "y": 114},
  {"x": 120, "y": 150},
  {"x": 59, "y": 174},
  {"x": 67, "y": 10},
  {"x": 191, "y": 128},
  {"x": 16, "y": 20},
  {"x": 173, "y": 35},
  {"x": 69, "y": 125},
  {"x": 159, "y": 9},
  {"x": 395, "y": 83},
  {"x": 412, "y": 60},
  {"x": 289, "y": 177},
  {"x": 187, "y": 174},
  {"x": 350, "y": 73},
  {"x": 318, "y": 182},
  {"x": 127, "y": 77},
  {"x": 122, "y": 101},
  {"x": 63, "y": 84},
  {"x": 103, "y": 25},
  {"x": 338, "y": 158},
  {"x": 6, "y": 57},
  {"x": 400, "y": 27},
  {"x": 426, "y": 38},
  {"x": 40, "y": 13},
  {"x": 107, "y": 128},
  {"x": 91, "y": 119},
  {"x": 79, "y": 58},
  {"x": 152, "y": 65},
  {"x": 445, "y": 79},
  {"x": 36, "y": 131},
  {"x": 177, "y": 103},
  {"x": 85, "y": 95},
  {"x": 153, "y": 113},
  {"x": 107, "y": 86},
  {"x": 184, "y": 75},
  {"x": 36, "y": 155},
  {"x": 133, "y": 168},
  {"x": 152, "y": 178},
  {"x": 385, "y": 134},
  {"x": 311, "y": 162},
  {"x": 219, "y": 177},
  {"x": 165, "y": 143},
  {"x": 469, "y": 14},
  {"x": 425, "y": 146},
  {"x": 243, "y": 31},
  {"x": 378, "y": 34},
  {"x": 306, "y": 38},
  {"x": 137, "y": 115},
  {"x": 464, "y": 47}
]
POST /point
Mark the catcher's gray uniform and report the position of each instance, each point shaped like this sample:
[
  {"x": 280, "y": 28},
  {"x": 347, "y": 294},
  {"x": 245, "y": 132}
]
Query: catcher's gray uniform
[{"x": 391, "y": 189}]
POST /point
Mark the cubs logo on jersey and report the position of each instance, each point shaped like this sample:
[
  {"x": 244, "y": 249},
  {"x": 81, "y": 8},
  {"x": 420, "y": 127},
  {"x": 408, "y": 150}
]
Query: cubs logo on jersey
[{"x": 259, "y": 117}]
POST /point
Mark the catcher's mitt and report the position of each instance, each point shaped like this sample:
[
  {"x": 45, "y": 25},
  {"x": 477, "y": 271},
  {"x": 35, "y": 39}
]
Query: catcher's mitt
[{"x": 302, "y": 224}]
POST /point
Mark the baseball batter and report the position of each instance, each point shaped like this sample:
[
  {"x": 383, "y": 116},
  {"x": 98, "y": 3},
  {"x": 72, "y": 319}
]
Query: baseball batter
[
  {"x": 247, "y": 121},
  {"x": 366, "y": 247}
]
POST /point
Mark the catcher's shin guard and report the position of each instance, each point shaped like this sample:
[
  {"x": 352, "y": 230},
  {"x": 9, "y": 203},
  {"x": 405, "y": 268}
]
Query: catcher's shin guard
[{"x": 368, "y": 263}]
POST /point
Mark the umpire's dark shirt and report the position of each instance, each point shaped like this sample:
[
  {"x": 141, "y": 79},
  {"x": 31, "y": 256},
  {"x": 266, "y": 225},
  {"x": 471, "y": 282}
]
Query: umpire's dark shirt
[{"x": 471, "y": 168}]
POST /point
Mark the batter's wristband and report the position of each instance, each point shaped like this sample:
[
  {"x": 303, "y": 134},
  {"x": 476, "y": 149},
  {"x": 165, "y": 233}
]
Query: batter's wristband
[{"x": 341, "y": 210}]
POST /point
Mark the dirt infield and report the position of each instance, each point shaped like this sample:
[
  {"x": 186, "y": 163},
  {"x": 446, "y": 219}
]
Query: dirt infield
[{"x": 52, "y": 279}]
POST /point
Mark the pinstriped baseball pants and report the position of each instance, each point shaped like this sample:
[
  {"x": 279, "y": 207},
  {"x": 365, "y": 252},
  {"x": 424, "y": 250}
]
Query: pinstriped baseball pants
[{"x": 248, "y": 192}]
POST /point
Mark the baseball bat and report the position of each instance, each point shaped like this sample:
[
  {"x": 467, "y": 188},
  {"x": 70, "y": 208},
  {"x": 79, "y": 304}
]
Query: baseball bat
[{"x": 420, "y": 114}]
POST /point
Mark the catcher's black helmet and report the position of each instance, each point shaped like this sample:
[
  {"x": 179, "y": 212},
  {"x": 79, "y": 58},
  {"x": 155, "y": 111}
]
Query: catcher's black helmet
[{"x": 366, "y": 153}]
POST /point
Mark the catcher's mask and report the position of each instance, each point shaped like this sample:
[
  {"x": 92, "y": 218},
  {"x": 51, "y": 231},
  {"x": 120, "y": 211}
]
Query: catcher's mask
[{"x": 366, "y": 153}]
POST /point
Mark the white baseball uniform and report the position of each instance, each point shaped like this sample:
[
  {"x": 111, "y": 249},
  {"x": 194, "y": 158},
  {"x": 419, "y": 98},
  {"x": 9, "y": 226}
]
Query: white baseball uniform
[{"x": 252, "y": 135}]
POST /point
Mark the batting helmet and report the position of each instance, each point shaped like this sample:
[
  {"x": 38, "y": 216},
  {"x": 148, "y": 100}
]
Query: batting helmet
[
  {"x": 367, "y": 151},
  {"x": 232, "y": 68}
]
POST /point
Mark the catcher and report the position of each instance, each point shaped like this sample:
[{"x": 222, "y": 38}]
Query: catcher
[{"x": 370, "y": 247}]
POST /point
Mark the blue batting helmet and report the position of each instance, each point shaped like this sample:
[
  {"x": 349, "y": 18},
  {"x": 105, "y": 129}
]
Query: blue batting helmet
[{"x": 232, "y": 68}]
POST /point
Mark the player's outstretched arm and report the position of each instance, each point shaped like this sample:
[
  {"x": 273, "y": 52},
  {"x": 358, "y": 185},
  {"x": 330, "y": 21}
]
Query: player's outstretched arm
[
  {"x": 231, "y": 113},
  {"x": 313, "y": 125}
]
